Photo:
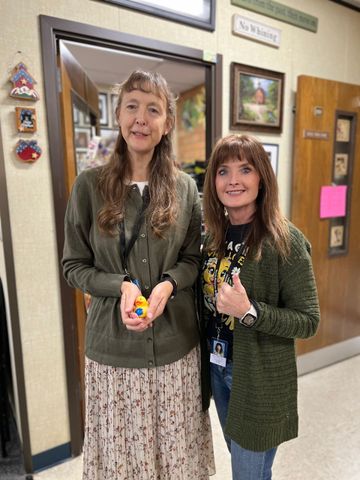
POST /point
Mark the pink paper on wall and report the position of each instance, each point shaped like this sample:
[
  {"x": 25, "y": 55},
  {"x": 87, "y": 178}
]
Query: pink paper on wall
[{"x": 333, "y": 201}]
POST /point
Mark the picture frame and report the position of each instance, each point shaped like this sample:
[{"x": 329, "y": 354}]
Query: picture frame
[
  {"x": 342, "y": 176},
  {"x": 113, "y": 104},
  {"x": 343, "y": 129},
  {"x": 179, "y": 12},
  {"x": 103, "y": 110},
  {"x": 81, "y": 160},
  {"x": 81, "y": 138},
  {"x": 337, "y": 236},
  {"x": 76, "y": 115},
  {"x": 26, "y": 119},
  {"x": 341, "y": 165},
  {"x": 256, "y": 99},
  {"x": 272, "y": 150}
]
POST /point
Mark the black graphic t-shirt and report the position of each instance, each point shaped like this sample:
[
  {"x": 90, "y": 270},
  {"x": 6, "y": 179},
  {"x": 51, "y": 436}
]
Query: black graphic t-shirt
[{"x": 215, "y": 272}]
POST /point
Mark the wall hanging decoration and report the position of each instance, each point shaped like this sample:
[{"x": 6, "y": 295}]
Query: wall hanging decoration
[
  {"x": 256, "y": 99},
  {"x": 273, "y": 153},
  {"x": 259, "y": 32},
  {"x": 23, "y": 84},
  {"x": 28, "y": 150},
  {"x": 281, "y": 12},
  {"x": 26, "y": 119},
  {"x": 197, "y": 13},
  {"x": 342, "y": 173}
]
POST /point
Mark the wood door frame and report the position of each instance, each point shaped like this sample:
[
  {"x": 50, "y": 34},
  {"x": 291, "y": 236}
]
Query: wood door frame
[{"x": 52, "y": 30}]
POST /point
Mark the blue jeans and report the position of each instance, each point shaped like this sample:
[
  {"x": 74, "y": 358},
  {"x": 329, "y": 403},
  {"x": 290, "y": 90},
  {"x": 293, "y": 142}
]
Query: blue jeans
[{"x": 245, "y": 464}]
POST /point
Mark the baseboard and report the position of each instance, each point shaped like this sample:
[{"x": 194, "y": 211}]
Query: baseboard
[
  {"x": 51, "y": 457},
  {"x": 323, "y": 357}
]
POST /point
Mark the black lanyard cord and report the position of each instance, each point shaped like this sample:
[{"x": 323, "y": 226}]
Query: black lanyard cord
[{"x": 126, "y": 249}]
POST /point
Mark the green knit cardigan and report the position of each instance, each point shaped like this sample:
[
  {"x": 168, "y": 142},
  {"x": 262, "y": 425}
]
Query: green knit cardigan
[{"x": 263, "y": 403}]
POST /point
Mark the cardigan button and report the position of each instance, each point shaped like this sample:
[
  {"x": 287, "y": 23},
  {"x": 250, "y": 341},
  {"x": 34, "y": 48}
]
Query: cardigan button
[
  {"x": 144, "y": 260},
  {"x": 151, "y": 363}
]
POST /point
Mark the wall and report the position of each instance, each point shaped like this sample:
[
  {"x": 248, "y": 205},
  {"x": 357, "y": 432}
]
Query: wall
[{"x": 331, "y": 53}]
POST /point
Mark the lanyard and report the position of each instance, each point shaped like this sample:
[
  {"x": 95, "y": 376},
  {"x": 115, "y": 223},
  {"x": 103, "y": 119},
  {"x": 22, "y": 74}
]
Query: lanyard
[{"x": 126, "y": 249}]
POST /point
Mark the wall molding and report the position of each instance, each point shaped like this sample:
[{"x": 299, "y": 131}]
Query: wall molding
[
  {"x": 51, "y": 457},
  {"x": 324, "y": 357}
]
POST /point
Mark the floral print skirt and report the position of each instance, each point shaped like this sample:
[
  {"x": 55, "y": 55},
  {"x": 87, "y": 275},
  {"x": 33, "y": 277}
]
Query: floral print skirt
[{"x": 146, "y": 423}]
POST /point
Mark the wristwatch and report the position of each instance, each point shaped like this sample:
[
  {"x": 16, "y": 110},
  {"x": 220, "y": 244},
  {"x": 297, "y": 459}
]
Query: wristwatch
[{"x": 249, "y": 318}]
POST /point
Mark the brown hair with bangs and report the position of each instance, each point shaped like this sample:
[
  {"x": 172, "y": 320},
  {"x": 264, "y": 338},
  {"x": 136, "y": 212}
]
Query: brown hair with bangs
[
  {"x": 268, "y": 222},
  {"x": 115, "y": 176}
]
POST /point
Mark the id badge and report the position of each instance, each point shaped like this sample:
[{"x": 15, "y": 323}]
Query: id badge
[{"x": 218, "y": 351}]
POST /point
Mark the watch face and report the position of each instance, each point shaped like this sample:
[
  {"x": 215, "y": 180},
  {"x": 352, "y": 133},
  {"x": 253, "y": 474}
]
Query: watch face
[{"x": 248, "y": 320}]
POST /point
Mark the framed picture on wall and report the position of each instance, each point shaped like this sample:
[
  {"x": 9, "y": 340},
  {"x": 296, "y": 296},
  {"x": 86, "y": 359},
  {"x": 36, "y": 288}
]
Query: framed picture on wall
[
  {"x": 337, "y": 236},
  {"x": 26, "y": 119},
  {"x": 256, "y": 99},
  {"x": 273, "y": 152},
  {"x": 198, "y": 13},
  {"x": 343, "y": 130},
  {"x": 103, "y": 110},
  {"x": 341, "y": 165},
  {"x": 81, "y": 137}
]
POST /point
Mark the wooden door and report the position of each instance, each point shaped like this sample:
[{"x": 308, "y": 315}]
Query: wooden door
[
  {"x": 76, "y": 90},
  {"x": 319, "y": 102}
]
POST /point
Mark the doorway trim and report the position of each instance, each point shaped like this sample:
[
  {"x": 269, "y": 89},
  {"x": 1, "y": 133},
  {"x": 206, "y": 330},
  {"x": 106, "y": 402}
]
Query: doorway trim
[{"x": 52, "y": 30}]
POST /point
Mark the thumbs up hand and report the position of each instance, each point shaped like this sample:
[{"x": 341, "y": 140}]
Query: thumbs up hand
[{"x": 233, "y": 300}]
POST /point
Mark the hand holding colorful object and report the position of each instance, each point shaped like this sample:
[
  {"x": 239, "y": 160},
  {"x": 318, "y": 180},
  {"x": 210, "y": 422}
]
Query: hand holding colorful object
[{"x": 141, "y": 306}]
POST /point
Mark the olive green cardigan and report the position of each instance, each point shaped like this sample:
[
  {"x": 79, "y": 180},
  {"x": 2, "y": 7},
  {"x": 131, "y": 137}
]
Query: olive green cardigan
[
  {"x": 92, "y": 262},
  {"x": 263, "y": 403}
]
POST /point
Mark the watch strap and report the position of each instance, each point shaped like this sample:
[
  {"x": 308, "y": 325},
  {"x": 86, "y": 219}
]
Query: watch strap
[{"x": 249, "y": 318}]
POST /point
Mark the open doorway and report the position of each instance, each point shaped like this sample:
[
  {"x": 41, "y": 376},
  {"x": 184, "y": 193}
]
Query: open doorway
[
  {"x": 106, "y": 68},
  {"x": 198, "y": 84}
]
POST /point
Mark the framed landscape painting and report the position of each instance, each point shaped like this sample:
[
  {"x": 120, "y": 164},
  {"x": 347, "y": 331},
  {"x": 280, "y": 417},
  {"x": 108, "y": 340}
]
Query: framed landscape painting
[{"x": 257, "y": 99}]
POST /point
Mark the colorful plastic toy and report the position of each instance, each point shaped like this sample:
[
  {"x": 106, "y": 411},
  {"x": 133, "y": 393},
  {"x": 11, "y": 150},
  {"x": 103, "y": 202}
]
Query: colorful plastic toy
[{"x": 141, "y": 306}]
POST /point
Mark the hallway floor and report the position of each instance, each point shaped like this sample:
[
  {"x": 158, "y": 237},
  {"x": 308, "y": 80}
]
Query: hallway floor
[{"x": 328, "y": 446}]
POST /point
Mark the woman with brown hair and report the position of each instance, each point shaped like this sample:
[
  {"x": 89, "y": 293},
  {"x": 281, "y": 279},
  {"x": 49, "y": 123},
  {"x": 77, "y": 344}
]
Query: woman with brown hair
[
  {"x": 260, "y": 295},
  {"x": 132, "y": 228}
]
